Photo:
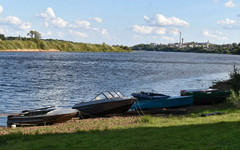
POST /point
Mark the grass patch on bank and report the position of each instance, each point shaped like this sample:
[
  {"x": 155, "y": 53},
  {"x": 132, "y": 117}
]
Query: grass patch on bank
[
  {"x": 146, "y": 132},
  {"x": 221, "y": 135}
]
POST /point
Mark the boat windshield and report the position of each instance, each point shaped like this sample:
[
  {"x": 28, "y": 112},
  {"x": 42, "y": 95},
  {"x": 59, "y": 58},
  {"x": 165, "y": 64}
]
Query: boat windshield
[
  {"x": 120, "y": 94},
  {"x": 108, "y": 95},
  {"x": 99, "y": 97},
  {"x": 114, "y": 94}
]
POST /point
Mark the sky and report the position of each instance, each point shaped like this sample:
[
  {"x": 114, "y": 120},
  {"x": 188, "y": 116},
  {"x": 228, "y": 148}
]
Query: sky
[{"x": 124, "y": 22}]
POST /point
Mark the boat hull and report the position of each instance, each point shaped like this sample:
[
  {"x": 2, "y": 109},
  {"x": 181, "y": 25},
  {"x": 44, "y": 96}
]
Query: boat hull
[
  {"x": 170, "y": 102},
  {"x": 103, "y": 108},
  {"x": 49, "y": 118},
  {"x": 207, "y": 98}
]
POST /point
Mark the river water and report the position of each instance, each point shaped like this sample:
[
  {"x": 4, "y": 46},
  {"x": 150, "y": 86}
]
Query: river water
[{"x": 33, "y": 80}]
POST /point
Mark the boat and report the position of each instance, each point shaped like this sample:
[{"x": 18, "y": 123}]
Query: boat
[
  {"x": 39, "y": 111},
  {"x": 206, "y": 96},
  {"x": 105, "y": 103},
  {"x": 152, "y": 100},
  {"x": 41, "y": 117}
]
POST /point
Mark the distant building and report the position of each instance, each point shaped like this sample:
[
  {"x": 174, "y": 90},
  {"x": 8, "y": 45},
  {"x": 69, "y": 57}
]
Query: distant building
[
  {"x": 153, "y": 44},
  {"x": 189, "y": 44}
]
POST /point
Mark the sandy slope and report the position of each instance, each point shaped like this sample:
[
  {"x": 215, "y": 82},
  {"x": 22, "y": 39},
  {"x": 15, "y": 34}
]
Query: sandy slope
[{"x": 30, "y": 50}]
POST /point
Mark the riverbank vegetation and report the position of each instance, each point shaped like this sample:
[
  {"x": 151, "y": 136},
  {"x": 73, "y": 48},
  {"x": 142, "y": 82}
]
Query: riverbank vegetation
[
  {"x": 232, "y": 84},
  {"x": 34, "y": 42},
  {"x": 192, "y": 47}
]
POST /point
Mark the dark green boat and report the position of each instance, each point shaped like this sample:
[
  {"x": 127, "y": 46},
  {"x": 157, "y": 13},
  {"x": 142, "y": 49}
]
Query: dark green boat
[{"x": 206, "y": 96}]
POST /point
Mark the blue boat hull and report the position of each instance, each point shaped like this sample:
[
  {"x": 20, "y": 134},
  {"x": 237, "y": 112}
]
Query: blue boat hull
[{"x": 170, "y": 102}]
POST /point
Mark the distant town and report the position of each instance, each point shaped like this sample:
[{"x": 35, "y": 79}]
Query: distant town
[
  {"x": 184, "y": 45},
  {"x": 181, "y": 46}
]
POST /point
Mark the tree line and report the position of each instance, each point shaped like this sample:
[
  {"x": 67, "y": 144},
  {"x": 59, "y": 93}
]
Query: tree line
[
  {"x": 233, "y": 48},
  {"x": 35, "y": 42}
]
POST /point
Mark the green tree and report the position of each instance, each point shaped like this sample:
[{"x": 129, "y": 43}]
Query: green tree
[
  {"x": 34, "y": 34},
  {"x": 2, "y": 37}
]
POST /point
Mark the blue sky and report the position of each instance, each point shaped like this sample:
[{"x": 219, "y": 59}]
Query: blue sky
[{"x": 123, "y": 22}]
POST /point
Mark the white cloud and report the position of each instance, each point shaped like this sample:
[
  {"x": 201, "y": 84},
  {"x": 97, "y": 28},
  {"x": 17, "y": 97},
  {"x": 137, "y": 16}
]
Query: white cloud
[
  {"x": 146, "y": 17},
  {"x": 160, "y": 31},
  {"x": 230, "y": 4},
  {"x": 142, "y": 29},
  {"x": 60, "y": 35},
  {"x": 46, "y": 24},
  {"x": 81, "y": 34},
  {"x": 25, "y": 26},
  {"x": 49, "y": 33},
  {"x": 160, "y": 20},
  {"x": 98, "y": 19},
  {"x": 50, "y": 19},
  {"x": 96, "y": 29},
  {"x": 229, "y": 24},
  {"x": 12, "y": 20},
  {"x": 78, "y": 34},
  {"x": 104, "y": 32},
  {"x": 149, "y": 30},
  {"x": 160, "y": 25},
  {"x": 2, "y": 31},
  {"x": 59, "y": 22},
  {"x": 48, "y": 14},
  {"x": 216, "y": 35},
  {"x": 1, "y": 9},
  {"x": 82, "y": 23}
]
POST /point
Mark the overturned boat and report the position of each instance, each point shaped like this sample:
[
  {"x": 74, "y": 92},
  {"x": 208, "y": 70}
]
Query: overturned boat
[
  {"x": 42, "y": 116},
  {"x": 105, "y": 103}
]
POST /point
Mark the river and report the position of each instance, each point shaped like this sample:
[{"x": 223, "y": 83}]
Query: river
[{"x": 37, "y": 79}]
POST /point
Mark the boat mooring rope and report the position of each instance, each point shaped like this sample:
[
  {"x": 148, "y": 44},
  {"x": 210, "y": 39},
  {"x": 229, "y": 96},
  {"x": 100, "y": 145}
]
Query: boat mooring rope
[{"x": 137, "y": 102}]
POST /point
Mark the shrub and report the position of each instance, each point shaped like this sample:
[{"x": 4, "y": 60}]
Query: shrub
[
  {"x": 30, "y": 45},
  {"x": 43, "y": 45},
  {"x": 18, "y": 44},
  {"x": 235, "y": 79},
  {"x": 234, "y": 98}
]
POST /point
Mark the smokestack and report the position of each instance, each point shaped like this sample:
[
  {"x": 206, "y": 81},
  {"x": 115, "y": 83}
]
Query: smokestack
[{"x": 180, "y": 38}]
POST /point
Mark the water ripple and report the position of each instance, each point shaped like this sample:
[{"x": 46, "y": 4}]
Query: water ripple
[{"x": 33, "y": 80}]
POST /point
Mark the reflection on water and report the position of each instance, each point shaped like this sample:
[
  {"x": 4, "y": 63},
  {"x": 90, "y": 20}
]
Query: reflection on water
[{"x": 33, "y": 80}]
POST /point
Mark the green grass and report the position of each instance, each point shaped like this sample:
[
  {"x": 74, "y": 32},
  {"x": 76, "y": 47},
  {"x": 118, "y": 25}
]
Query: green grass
[
  {"x": 222, "y": 135},
  {"x": 150, "y": 132}
]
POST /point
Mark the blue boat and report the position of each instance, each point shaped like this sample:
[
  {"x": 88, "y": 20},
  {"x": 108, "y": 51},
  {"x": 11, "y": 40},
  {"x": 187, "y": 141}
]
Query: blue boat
[{"x": 150, "y": 100}]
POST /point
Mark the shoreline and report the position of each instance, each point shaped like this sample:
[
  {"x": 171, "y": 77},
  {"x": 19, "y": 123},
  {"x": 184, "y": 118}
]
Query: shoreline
[
  {"x": 30, "y": 50},
  {"x": 75, "y": 125}
]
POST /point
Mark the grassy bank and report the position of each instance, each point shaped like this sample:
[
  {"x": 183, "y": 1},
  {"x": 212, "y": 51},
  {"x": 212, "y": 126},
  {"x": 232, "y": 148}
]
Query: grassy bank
[
  {"x": 65, "y": 46},
  {"x": 189, "y": 131},
  {"x": 222, "y": 135}
]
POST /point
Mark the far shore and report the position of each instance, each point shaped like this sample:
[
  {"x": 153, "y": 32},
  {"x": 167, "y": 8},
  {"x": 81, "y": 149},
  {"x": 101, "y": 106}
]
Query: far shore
[{"x": 30, "y": 50}]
